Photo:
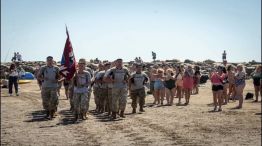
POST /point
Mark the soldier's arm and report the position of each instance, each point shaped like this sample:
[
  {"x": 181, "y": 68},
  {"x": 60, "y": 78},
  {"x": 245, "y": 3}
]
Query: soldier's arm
[
  {"x": 40, "y": 74},
  {"x": 107, "y": 78}
]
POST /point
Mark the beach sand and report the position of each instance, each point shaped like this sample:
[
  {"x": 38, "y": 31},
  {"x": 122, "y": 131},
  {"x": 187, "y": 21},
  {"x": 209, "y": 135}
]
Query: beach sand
[{"x": 22, "y": 122}]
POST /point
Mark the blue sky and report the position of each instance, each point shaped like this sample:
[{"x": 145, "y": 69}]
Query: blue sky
[{"x": 108, "y": 29}]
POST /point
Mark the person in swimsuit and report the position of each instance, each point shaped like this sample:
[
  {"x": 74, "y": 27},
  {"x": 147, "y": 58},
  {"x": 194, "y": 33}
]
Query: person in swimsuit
[
  {"x": 179, "y": 83},
  {"x": 225, "y": 86},
  {"x": 196, "y": 78},
  {"x": 170, "y": 86},
  {"x": 217, "y": 87},
  {"x": 257, "y": 78},
  {"x": 152, "y": 81},
  {"x": 240, "y": 84},
  {"x": 188, "y": 83},
  {"x": 231, "y": 82},
  {"x": 159, "y": 87}
]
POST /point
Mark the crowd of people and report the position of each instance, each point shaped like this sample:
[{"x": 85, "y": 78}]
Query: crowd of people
[{"x": 112, "y": 83}]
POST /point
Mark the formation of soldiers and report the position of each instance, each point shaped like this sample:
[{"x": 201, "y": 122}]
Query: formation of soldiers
[{"x": 110, "y": 85}]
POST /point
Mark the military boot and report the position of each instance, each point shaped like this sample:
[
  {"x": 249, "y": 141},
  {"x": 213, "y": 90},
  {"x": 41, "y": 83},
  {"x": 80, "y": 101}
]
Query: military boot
[
  {"x": 113, "y": 115},
  {"x": 122, "y": 114},
  {"x": 134, "y": 111},
  {"x": 47, "y": 114},
  {"x": 141, "y": 109},
  {"x": 52, "y": 114},
  {"x": 76, "y": 117}
]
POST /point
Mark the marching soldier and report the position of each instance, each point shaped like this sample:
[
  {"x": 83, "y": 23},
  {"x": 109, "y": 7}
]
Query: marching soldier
[
  {"x": 82, "y": 82},
  {"x": 49, "y": 74},
  {"x": 118, "y": 76},
  {"x": 137, "y": 89}
]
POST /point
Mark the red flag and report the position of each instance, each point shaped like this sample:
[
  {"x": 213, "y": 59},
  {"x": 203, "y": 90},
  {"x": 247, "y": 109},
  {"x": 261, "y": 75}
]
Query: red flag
[{"x": 68, "y": 62}]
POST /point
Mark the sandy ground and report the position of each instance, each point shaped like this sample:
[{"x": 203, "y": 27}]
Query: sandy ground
[{"x": 22, "y": 123}]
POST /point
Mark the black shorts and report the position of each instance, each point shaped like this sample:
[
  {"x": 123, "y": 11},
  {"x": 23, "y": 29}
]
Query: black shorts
[
  {"x": 217, "y": 87},
  {"x": 256, "y": 82}
]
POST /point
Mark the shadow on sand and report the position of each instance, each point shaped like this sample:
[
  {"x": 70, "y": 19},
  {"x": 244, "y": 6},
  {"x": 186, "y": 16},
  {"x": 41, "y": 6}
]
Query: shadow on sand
[
  {"x": 37, "y": 116},
  {"x": 103, "y": 117},
  {"x": 68, "y": 118}
]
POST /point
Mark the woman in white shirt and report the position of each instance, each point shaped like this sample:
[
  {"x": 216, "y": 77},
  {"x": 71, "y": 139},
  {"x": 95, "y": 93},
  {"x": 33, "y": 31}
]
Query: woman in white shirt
[{"x": 13, "y": 80}]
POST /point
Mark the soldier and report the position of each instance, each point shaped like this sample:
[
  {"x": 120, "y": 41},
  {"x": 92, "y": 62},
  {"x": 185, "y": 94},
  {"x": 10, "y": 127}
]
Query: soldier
[
  {"x": 108, "y": 90},
  {"x": 119, "y": 76},
  {"x": 82, "y": 82},
  {"x": 71, "y": 94},
  {"x": 96, "y": 86},
  {"x": 101, "y": 88},
  {"x": 49, "y": 74},
  {"x": 137, "y": 89}
]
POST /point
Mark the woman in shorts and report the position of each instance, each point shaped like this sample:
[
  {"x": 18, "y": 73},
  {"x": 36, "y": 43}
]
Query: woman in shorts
[{"x": 217, "y": 87}]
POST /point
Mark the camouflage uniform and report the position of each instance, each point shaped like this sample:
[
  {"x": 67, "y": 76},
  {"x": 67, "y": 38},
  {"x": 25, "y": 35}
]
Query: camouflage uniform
[
  {"x": 119, "y": 99},
  {"x": 49, "y": 98},
  {"x": 119, "y": 90},
  {"x": 109, "y": 100},
  {"x": 96, "y": 90},
  {"x": 81, "y": 98},
  {"x": 138, "y": 95},
  {"x": 49, "y": 88},
  {"x": 102, "y": 92},
  {"x": 137, "y": 88},
  {"x": 71, "y": 95}
]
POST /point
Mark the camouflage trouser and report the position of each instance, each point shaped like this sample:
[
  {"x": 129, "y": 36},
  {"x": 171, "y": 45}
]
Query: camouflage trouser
[
  {"x": 71, "y": 96},
  {"x": 81, "y": 103},
  {"x": 109, "y": 99},
  {"x": 119, "y": 99},
  {"x": 49, "y": 98},
  {"x": 138, "y": 95},
  {"x": 96, "y": 95},
  {"x": 102, "y": 97}
]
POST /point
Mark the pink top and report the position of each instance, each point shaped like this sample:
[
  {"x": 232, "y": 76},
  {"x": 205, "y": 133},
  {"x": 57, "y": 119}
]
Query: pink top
[{"x": 217, "y": 79}]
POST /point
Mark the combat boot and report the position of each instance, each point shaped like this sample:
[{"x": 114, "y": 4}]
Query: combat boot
[
  {"x": 84, "y": 116},
  {"x": 122, "y": 114},
  {"x": 47, "y": 114},
  {"x": 52, "y": 112},
  {"x": 113, "y": 115},
  {"x": 141, "y": 109},
  {"x": 134, "y": 111},
  {"x": 76, "y": 117}
]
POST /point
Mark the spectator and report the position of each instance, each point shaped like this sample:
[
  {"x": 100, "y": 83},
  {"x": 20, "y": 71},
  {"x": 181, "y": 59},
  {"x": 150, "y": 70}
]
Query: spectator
[{"x": 13, "y": 79}]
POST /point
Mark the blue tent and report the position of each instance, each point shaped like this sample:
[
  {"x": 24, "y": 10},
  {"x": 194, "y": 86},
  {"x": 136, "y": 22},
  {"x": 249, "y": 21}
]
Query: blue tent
[{"x": 27, "y": 76}]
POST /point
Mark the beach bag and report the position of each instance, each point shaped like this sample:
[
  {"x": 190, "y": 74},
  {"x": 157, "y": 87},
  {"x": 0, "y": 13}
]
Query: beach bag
[{"x": 249, "y": 96}]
